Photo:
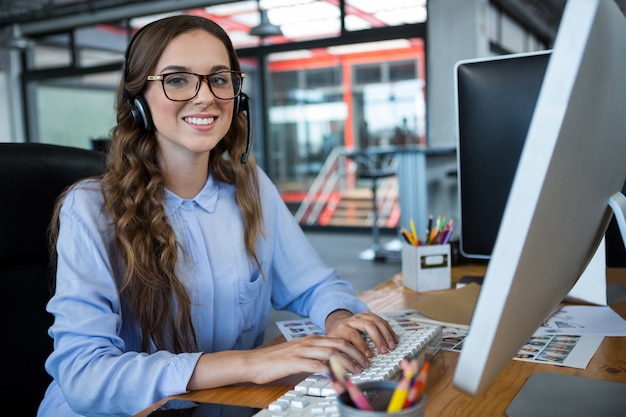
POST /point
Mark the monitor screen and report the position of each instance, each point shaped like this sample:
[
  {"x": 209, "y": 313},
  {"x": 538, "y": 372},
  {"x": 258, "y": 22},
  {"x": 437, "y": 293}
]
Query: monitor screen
[
  {"x": 570, "y": 172},
  {"x": 496, "y": 98}
]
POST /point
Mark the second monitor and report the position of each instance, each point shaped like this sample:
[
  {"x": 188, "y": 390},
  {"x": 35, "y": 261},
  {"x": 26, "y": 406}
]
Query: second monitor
[{"x": 496, "y": 98}]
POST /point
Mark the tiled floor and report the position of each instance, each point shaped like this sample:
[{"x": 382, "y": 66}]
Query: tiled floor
[{"x": 341, "y": 251}]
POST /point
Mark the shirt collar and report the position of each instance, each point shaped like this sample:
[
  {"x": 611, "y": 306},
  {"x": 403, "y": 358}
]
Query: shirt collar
[{"x": 205, "y": 199}]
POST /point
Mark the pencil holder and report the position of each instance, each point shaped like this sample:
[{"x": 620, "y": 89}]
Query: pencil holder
[
  {"x": 426, "y": 267},
  {"x": 378, "y": 394}
]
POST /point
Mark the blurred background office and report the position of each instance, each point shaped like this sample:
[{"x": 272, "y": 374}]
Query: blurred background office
[{"x": 325, "y": 76}]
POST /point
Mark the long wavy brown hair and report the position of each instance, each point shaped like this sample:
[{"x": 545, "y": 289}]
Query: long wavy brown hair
[{"x": 133, "y": 191}]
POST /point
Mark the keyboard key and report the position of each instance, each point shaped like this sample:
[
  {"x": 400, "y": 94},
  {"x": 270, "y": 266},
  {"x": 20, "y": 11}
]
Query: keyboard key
[{"x": 302, "y": 406}]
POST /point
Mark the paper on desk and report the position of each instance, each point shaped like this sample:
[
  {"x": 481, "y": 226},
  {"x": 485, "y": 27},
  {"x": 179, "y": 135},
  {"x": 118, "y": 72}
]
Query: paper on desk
[
  {"x": 452, "y": 308},
  {"x": 298, "y": 328},
  {"x": 585, "y": 321},
  {"x": 557, "y": 349}
]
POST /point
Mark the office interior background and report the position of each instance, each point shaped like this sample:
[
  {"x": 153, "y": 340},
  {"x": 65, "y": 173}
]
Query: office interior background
[{"x": 324, "y": 77}]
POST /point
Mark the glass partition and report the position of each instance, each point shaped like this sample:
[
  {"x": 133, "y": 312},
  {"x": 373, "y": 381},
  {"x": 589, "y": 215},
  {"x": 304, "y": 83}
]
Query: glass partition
[
  {"x": 73, "y": 111},
  {"x": 354, "y": 97}
]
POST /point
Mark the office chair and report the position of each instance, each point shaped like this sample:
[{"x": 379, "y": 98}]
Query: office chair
[
  {"x": 374, "y": 166},
  {"x": 32, "y": 175}
]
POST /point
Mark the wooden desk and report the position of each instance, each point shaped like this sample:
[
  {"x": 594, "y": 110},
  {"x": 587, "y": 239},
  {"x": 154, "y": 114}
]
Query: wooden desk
[{"x": 609, "y": 363}]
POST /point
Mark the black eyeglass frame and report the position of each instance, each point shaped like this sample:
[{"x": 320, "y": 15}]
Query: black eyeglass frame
[{"x": 201, "y": 77}]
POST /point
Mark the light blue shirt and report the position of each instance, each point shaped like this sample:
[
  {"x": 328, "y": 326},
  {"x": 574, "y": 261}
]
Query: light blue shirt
[{"x": 97, "y": 367}]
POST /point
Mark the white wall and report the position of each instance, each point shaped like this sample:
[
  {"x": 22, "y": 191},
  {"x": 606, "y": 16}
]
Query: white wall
[{"x": 456, "y": 30}]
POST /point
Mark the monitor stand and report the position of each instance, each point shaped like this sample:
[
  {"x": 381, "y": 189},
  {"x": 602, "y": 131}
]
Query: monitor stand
[{"x": 617, "y": 202}]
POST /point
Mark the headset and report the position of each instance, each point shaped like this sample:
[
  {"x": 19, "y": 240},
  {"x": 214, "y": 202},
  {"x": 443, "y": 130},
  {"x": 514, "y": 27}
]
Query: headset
[{"x": 140, "y": 111}]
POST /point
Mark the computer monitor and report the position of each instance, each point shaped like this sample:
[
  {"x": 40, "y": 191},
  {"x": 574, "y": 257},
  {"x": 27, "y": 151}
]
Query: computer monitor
[
  {"x": 571, "y": 169},
  {"x": 495, "y": 100}
]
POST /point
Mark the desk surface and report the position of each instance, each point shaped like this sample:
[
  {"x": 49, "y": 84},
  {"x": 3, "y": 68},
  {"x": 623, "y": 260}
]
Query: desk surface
[{"x": 608, "y": 363}]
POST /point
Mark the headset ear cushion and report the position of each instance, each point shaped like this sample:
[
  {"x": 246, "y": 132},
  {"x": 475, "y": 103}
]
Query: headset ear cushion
[
  {"x": 241, "y": 103},
  {"x": 141, "y": 112}
]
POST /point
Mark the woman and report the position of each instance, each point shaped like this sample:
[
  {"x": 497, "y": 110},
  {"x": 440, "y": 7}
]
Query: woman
[{"x": 168, "y": 264}]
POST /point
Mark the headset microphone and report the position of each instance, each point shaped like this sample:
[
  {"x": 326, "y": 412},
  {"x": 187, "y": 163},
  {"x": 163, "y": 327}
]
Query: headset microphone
[{"x": 242, "y": 105}]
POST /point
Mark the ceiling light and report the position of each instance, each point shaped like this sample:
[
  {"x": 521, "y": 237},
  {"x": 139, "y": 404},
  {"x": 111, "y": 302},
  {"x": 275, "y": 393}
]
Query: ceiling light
[{"x": 265, "y": 28}]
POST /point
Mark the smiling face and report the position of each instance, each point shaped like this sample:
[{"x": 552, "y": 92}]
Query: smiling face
[{"x": 190, "y": 129}]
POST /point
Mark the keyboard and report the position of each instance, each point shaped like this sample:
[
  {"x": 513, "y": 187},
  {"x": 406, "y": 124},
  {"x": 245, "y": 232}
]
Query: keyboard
[
  {"x": 315, "y": 396},
  {"x": 422, "y": 343},
  {"x": 296, "y": 404}
]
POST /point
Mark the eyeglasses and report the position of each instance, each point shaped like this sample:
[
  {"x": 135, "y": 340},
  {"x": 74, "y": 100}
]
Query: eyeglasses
[{"x": 184, "y": 86}]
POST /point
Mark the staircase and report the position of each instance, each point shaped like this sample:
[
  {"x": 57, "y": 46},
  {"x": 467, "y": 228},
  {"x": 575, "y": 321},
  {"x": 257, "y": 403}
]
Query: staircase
[
  {"x": 354, "y": 209},
  {"x": 331, "y": 202}
]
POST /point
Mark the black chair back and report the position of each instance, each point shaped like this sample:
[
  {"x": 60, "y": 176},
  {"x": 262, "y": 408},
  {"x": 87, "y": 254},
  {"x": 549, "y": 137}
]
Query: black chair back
[{"x": 32, "y": 175}]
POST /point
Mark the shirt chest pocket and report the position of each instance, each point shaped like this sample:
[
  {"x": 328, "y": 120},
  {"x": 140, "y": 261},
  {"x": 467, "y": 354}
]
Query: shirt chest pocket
[{"x": 252, "y": 298}]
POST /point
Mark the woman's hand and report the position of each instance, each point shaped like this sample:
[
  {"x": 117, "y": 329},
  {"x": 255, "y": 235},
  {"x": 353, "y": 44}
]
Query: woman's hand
[
  {"x": 309, "y": 354},
  {"x": 342, "y": 324}
]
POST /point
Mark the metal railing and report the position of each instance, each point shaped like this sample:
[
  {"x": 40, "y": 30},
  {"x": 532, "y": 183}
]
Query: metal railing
[
  {"x": 331, "y": 183},
  {"x": 331, "y": 179}
]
